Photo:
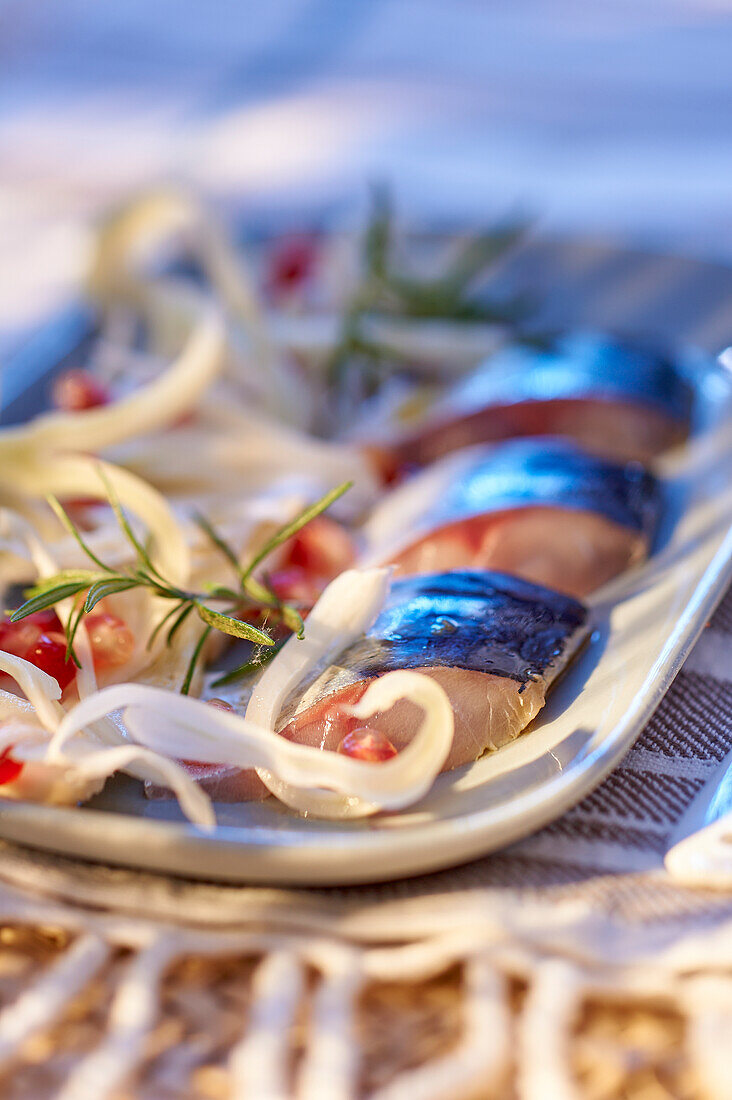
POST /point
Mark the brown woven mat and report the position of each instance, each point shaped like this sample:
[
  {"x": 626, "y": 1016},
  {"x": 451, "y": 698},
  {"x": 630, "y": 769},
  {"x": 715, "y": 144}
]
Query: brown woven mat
[{"x": 565, "y": 991}]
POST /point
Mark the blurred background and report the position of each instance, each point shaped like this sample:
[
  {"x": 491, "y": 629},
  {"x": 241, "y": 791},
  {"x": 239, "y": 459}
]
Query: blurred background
[{"x": 611, "y": 118}]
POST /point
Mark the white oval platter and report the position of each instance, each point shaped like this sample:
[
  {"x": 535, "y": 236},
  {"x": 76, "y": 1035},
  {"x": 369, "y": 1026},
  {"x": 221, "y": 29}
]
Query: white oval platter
[{"x": 644, "y": 626}]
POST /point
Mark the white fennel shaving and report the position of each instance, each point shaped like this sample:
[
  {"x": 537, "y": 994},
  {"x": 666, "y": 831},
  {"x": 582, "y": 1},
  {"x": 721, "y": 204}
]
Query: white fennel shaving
[
  {"x": 68, "y": 475},
  {"x": 101, "y": 762},
  {"x": 12, "y": 706},
  {"x": 252, "y": 454},
  {"x": 98, "y": 753},
  {"x": 151, "y": 223},
  {"x": 40, "y": 689},
  {"x": 147, "y": 409},
  {"x": 434, "y": 348},
  {"x": 176, "y": 725}
]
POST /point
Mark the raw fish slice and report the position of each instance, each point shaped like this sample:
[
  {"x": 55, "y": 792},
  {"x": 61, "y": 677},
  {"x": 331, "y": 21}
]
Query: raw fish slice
[
  {"x": 572, "y": 552},
  {"x": 493, "y": 642},
  {"x": 222, "y": 782},
  {"x": 615, "y": 400},
  {"x": 490, "y": 711},
  {"x": 540, "y": 509}
]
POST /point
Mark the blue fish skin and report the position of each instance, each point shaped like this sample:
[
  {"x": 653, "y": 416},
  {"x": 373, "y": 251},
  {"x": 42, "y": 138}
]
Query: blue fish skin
[
  {"x": 553, "y": 472},
  {"x": 482, "y": 621},
  {"x": 494, "y": 643},
  {"x": 578, "y": 365},
  {"x": 613, "y": 398}
]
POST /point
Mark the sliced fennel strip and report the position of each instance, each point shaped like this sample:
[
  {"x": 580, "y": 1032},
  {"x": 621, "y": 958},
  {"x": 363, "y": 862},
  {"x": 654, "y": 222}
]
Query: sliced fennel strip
[{"x": 176, "y": 725}]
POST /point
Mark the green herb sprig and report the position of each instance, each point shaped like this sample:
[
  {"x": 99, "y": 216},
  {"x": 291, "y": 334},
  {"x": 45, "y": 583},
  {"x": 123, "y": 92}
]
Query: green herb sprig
[
  {"x": 251, "y": 597},
  {"x": 386, "y": 292}
]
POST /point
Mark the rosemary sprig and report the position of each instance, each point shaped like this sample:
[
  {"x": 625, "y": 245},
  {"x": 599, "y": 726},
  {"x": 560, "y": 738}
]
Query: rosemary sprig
[
  {"x": 251, "y": 597},
  {"x": 386, "y": 291},
  {"x": 293, "y": 527},
  {"x": 195, "y": 658}
]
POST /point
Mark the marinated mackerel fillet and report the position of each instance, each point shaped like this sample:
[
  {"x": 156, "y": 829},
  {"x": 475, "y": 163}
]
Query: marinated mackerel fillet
[
  {"x": 541, "y": 509},
  {"x": 494, "y": 643},
  {"x": 615, "y": 400}
]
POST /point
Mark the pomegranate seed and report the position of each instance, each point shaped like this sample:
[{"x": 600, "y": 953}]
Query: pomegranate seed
[
  {"x": 322, "y": 548},
  {"x": 78, "y": 511},
  {"x": 38, "y": 622},
  {"x": 386, "y": 464},
  {"x": 291, "y": 264},
  {"x": 294, "y": 585},
  {"x": 49, "y": 654},
  {"x": 39, "y": 638},
  {"x": 78, "y": 390},
  {"x": 221, "y": 704},
  {"x": 9, "y": 769},
  {"x": 46, "y": 619},
  {"x": 366, "y": 744},
  {"x": 112, "y": 641},
  {"x": 18, "y": 638},
  {"x": 312, "y": 558}
]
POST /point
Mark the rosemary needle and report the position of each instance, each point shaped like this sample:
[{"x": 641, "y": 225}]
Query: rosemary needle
[{"x": 96, "y": 585}]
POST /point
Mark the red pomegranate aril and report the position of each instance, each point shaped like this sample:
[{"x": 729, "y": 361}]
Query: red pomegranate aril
[
  {"x": 221, "y": 704},
  {"x": 78, "y": 390},
  {"x": 291, "y": 263},
  {"x": 386, "y": 464},
  {"x": 46, "y": 619},
  {"x": 39, "y": 639},
  {"x": 9, "y": 769},
  {"x": 112, "y": 641},
  {"x": 366, "y": 744},
  {"x": 49, "y": 654},
  {"x": 17, "y": 638},
  {"x": 78, "y": 509},
  {"x": 294, "y": 585},
  {"x": 20, "y": 639},
  {"x": 322, "y": 548}
]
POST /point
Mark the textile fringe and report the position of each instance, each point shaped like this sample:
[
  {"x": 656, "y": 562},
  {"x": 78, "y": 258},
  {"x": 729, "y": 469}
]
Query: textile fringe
[{"x": 460, "y": 997}]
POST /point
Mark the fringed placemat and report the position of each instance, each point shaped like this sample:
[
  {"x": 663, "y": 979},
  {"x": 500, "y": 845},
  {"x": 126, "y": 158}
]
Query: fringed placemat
[{"x": 569, "y": 991}]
